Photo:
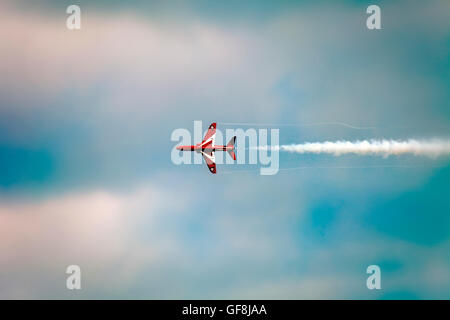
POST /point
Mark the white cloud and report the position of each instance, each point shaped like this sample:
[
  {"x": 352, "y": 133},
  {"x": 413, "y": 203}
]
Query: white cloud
[
  {"x": 135, "y": 58},
  {"x": 98, "y": 230}
]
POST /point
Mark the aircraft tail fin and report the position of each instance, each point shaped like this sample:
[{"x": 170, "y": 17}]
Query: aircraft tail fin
[{"x": 231, "y": 151}]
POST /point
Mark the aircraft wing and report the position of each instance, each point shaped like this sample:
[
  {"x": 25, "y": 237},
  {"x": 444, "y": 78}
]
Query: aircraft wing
[
  {"x": 210, "y": 160},
  {"x": 210, "y": 136}
]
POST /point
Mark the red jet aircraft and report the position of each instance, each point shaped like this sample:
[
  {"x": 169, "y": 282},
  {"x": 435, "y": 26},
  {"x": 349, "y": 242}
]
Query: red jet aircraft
[{"x": 207, "y": 148}]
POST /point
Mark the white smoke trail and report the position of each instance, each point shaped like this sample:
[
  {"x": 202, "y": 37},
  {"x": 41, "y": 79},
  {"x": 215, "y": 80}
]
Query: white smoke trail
[{"x": 429, "y": 148}]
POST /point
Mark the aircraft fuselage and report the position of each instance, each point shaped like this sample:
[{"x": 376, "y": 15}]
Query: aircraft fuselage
[{"x": 199, "y": 148}]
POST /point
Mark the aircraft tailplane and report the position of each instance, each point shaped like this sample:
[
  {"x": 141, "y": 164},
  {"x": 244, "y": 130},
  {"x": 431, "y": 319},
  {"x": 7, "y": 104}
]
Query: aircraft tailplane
[{"x": 231, "y": 151}]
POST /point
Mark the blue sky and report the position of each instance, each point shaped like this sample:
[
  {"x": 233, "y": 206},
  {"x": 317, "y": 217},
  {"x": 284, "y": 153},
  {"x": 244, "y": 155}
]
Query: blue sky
[{"x": 85, "y": 124}]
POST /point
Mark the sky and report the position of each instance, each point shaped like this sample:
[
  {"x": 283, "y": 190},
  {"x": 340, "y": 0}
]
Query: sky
[{"x": 86, "y": 178}]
